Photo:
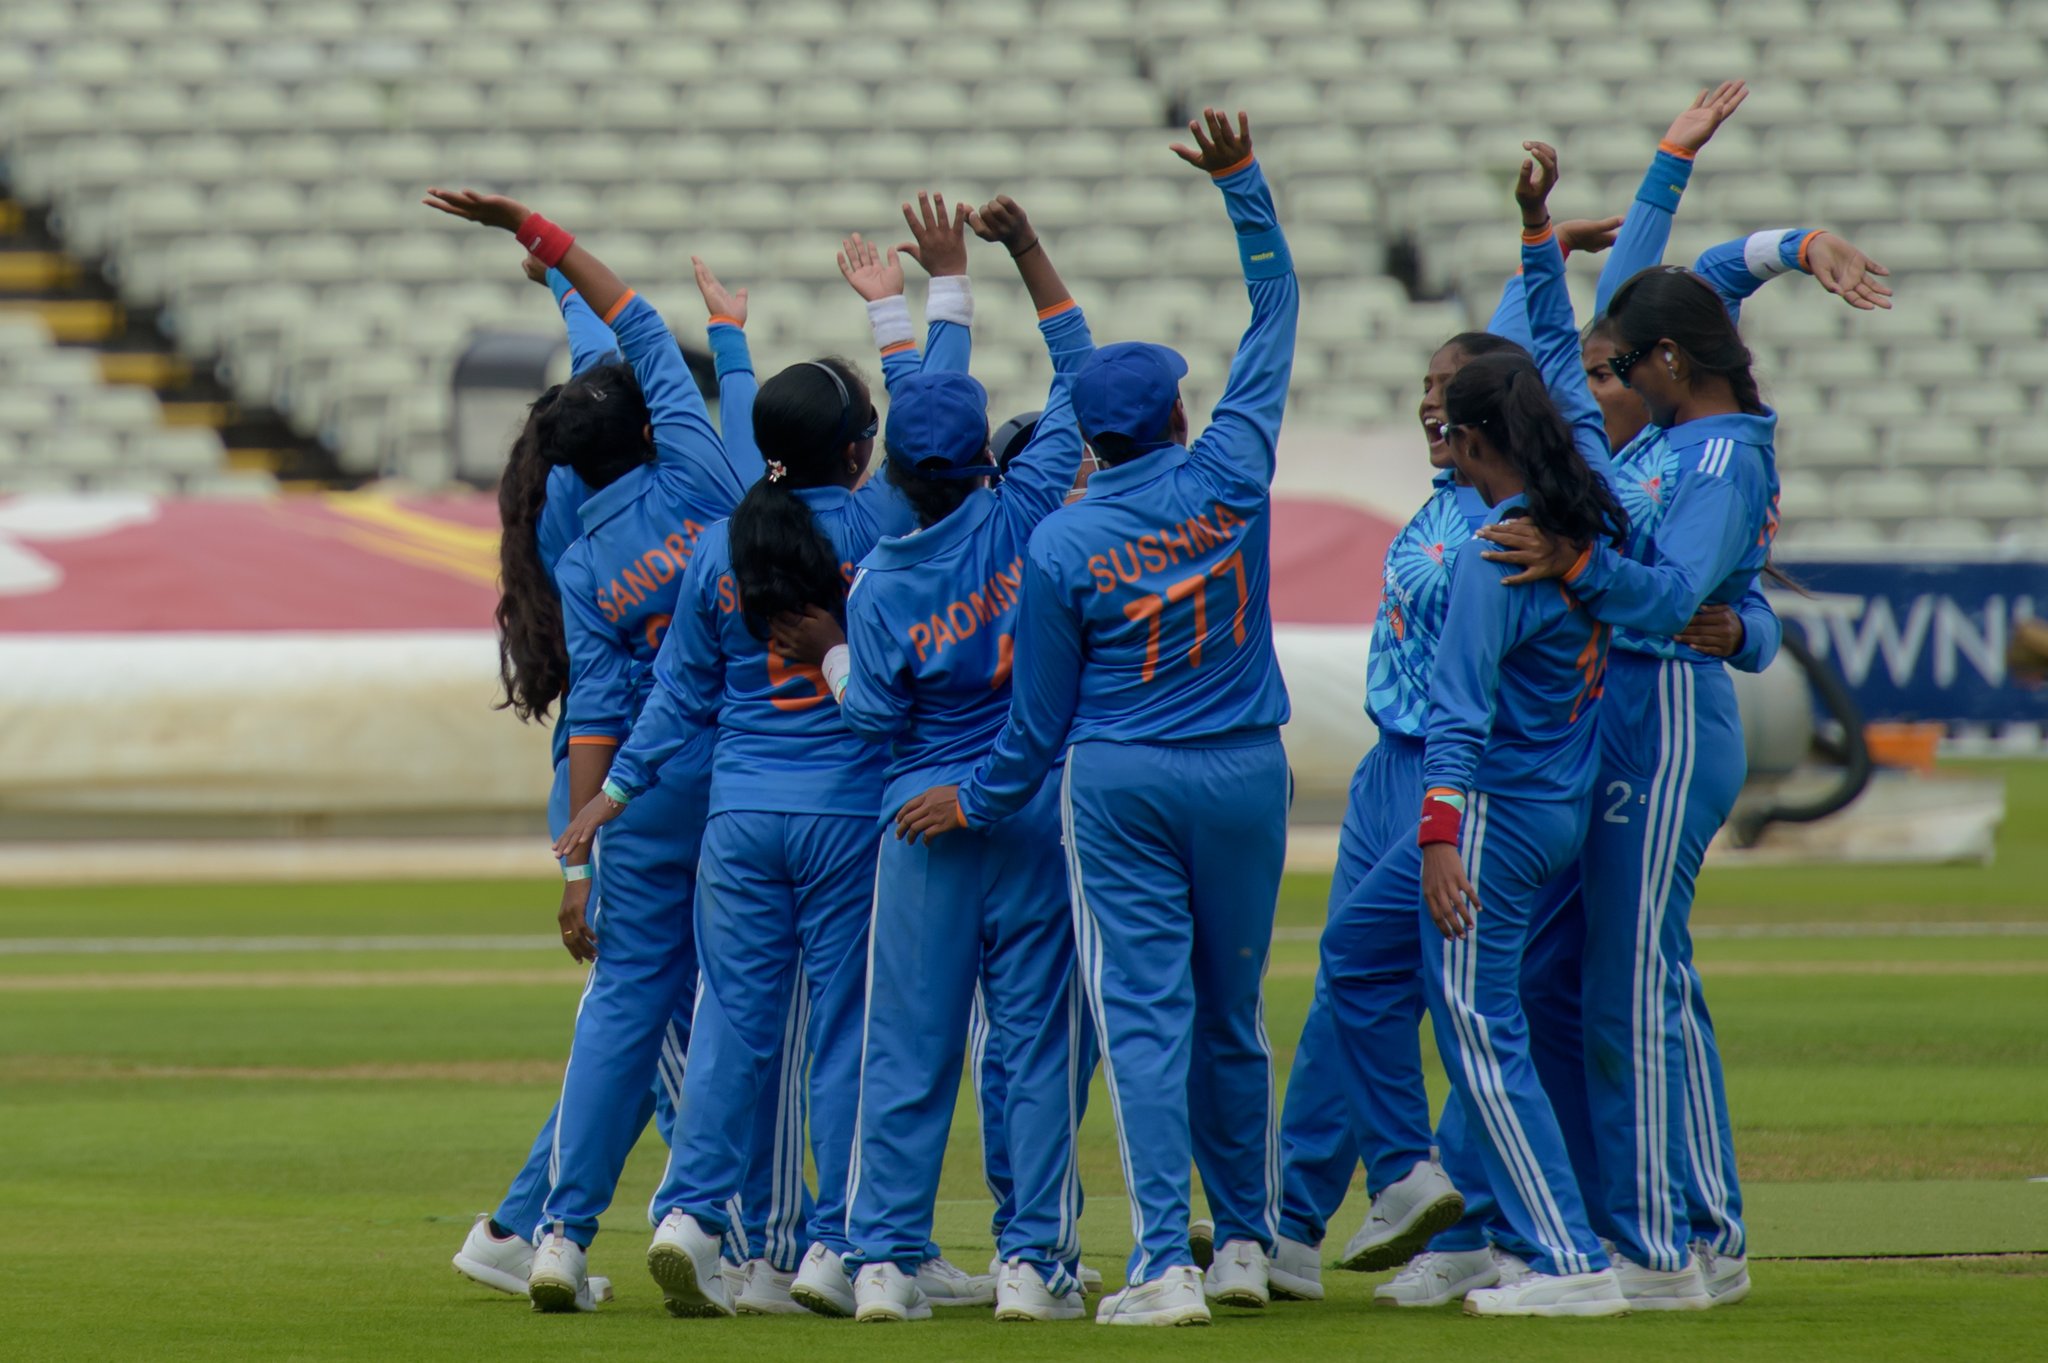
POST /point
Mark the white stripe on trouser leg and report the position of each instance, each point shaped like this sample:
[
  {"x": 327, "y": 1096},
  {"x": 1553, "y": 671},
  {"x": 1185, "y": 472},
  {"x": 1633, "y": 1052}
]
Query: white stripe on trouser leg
[
  {"x": 1644, "y": 1094},
  {"x": 1673, "y": 848},
  {"x": 589, "y": 981},
  {"x": 977, "y": 1060},
  {"x": 785, "y": 1154},
  {"x": 1702, "y": 1119},
  {"x": 1482, "y": 1069},
  {"x": 1088, "y": 964},
  {"x": 1069, "y": 1245},
  {"x": 867, "y": 1013},
  {"x": 1664, "y": 839}
]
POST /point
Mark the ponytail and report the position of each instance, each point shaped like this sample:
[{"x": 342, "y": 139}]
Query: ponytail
[
  {"x": 533, "y": 659},
  {"x": 1668, "y": 302},
  {"x": 804, "y": 420},
  {"x": 1503, "y": 395}
]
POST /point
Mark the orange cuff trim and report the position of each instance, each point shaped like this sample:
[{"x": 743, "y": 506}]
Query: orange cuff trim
[
  {"x": 592, "y": 741},
  {"x": 1670, "y": 148},
  {"x": 1064, "y": 305},
  {"x": 1538, "y": 238},
  {"x": 719, "y": 319},
  {"x": 898, "y": 348},
  {"x": 570, "y": 294},
  {"x": 1806, "y": 246},
  {"x": 1571, "y": 573},
  {"x": 1233, "y": 169},
  {"x": 617, "y": 308},
  {"x": 1435, "y": 791}
]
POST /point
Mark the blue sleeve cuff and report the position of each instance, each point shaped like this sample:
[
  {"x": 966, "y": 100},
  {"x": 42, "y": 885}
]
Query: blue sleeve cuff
[
  {"x": 1264, "y": 254},
  {"x": 559, "y": 285},
  {"x": 729, "y": 353},
  {"x": 1665, "y": 184}
]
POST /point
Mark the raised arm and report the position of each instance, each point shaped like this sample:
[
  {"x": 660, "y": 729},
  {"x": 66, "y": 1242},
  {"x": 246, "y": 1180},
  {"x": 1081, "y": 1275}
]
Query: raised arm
[
  {"x": 1740, "y": 267},
  {"x": 684, "y": 440},
  {"x": 590, "y": 341},
  {"x": 1244, "y": 427},
  {"x": 725, "y": 332},
  {"x": 1647, "y": 230},
  {"x": 1511, "y": 315},
  {"x": 939, "y": 244},
  {"x": 1553, "y": 330}
]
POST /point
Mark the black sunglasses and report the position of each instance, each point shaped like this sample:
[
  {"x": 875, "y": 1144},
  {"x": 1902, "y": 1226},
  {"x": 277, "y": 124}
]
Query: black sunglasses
[
  {"x": 1622, "y": 364},
  {"x": 874, "y": 424}
]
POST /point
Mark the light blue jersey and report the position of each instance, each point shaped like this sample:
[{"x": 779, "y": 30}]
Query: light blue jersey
[{"x": 1415, "y": 591}]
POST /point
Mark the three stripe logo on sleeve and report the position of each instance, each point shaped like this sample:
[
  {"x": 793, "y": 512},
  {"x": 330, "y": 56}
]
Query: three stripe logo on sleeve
[{"x": 1714, "y": 456}]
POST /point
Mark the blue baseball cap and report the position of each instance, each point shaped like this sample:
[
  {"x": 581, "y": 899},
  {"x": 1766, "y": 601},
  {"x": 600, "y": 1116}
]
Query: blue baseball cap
[
  {"x": 1128, "y": 389},
  {"x": 938, "y": 425}
]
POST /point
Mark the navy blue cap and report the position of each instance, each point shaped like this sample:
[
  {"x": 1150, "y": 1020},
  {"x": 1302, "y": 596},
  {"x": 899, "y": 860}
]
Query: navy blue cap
[
  {"x": 938, "y": 425},
  {"x": 1128, "y": 389}
]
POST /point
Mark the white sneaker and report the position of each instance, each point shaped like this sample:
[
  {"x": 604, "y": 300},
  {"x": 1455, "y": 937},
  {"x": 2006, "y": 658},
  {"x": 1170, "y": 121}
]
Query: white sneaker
[
  {"x": 1202, "y": 1242},
  {"x": 1089, "y": 1278},
  {"x": 558, "y": 1280},
  {"x": 1512, "y": 1268},
  {"x": 734, "y": 1276},
  {"x": 1551, "y": 1294},
  {"x": 1239, "y": 1275},
  {"x": 502, "y": 1265},
  {"x": 1174, "y": 1298},
  {"x": 1438, "y": 1278},
  {"x": 884, "y": 1292},
  {"x": 1404, "y": 1217},
  {"x": 684, "y": 1263},
  {"x": 764, "y": 1291},
  {"x": 1295, "y": 1272},
  {"x": 947, "y": 1284},
  {"x": 1649, "y": 1289},
  {"x": 1726, "y": 1275},
  {"x": 1021, "y": 1294},
  {"x": 821, "y": 1284}
]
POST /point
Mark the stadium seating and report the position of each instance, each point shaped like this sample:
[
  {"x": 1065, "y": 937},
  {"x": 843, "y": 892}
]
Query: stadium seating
[{"x": 253, "y": 167}]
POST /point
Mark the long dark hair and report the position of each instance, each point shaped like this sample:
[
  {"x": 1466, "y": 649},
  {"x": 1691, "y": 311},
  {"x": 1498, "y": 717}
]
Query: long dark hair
[
  {"x": 1503, "y": 395},
  {"x": 804, "y": 418},
  {"x": 1671, "y": 301},
  {"x": 596, "y": 424},
  {"x": 933, "y": 499},
  {"x": 1477, "y": 343}
]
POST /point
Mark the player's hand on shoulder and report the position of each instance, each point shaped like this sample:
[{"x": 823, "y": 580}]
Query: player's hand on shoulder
[
  {"x": 1218, "y": 146},
  {"x": 805, "y": 637},
  {"x": 1537, "y": 552}
]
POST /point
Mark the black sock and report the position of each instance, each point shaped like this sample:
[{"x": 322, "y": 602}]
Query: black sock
[{"x": 501, "y": 1233}]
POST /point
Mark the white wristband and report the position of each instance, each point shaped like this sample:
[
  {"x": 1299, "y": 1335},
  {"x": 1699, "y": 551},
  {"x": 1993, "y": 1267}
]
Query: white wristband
[
  {"x": 950, "y": 299},
  {"x": 889, "y": 319},
  {"x": 837, "y": 666}
]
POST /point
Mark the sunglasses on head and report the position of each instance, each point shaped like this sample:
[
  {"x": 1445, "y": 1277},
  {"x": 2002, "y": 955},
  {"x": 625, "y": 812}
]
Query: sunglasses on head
[{"x": 1622, "y": 364}]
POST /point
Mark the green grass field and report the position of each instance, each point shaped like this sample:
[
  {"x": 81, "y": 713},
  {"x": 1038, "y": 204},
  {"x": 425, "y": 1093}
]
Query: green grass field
[{"x": 220, "y": 1152}]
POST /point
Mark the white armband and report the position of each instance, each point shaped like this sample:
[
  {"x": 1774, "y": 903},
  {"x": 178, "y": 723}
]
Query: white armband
[
  {"x": 1762, "y": 253},
  {"x": 950, "y": 299},
  {"x": 837, "y": 666},
  {"x": 889, "y": 319}
]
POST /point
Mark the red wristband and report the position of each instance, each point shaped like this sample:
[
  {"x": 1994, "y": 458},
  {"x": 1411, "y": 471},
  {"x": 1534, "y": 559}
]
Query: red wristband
[
  {"x": 1443, "y": 810},
  {"x": 547, "y": 242}
]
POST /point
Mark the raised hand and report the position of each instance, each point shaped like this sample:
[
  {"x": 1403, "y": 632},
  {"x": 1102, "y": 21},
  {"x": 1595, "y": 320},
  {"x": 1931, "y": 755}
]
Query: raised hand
[
  {"x": 489, "y": 210},
  {"x": 1001, "y": 220},
  {"x": 719, "y": 301},
  {"x": 1591, "y": 235},
  {"x": 1533, "y": 184},
  {"x": 938, "y": 240},
  {"x": 1217, "y": 146},
  {"x": 872, "y": 275},
  {"x": 1847, "y": 273},
  {"x": 1708, "y": 111}
]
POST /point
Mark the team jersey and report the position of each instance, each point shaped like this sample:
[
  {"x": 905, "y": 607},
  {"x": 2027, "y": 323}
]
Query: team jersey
[
  {"x": 781, "y": 744},
  {"x": 1145, "y": 616},
  {"x": 663, "y": 726},
  {"x": 1415, "y": 590},
  {"x": 931, "y": 619},
  {"x": 1515, "y": 687},
  {"x": 619, "y": 581},
  {"x": 1715, "y": 518}
]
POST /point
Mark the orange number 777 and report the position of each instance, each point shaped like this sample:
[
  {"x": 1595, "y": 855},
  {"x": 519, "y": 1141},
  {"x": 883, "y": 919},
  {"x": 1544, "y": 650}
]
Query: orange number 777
[{"x": 1152, "y": 607}]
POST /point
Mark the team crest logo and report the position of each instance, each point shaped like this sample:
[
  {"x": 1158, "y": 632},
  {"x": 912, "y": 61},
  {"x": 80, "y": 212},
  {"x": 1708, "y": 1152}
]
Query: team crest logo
[
  {"x": 1436, "y": 552},
  {"x": 1655, "y": 487}
]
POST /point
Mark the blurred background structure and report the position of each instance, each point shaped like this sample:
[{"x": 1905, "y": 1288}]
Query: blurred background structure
[{"x": 216, "y": 280}]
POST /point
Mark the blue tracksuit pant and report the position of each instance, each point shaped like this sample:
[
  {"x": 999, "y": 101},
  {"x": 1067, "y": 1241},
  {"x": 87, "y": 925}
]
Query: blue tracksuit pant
[
  {"x": 1174, "y": 857},
  {"x": 1321, "y": 1139},
  {"x": 1551, "y": 1003},
  {"x": 1511, "y": 849},
  {"x": 991, "y": 1096},
  {"x": 521, "y": 1208},
  {"x": 782, "y": 912},
  {"x": 981, "y": 912},
  {"x": 639, "y": 995},
  {"x": 1671, "y": 766}
]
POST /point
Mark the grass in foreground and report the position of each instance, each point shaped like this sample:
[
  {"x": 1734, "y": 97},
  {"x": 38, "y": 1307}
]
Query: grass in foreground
[{"x": 219, "y": 1154}]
